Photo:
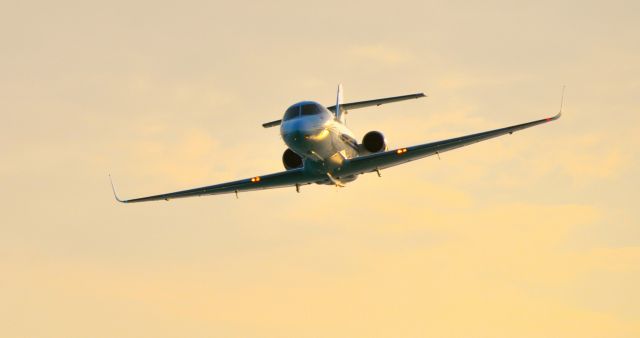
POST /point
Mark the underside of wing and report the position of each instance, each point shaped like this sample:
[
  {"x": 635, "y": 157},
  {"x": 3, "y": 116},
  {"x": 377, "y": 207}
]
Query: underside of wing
[
  {"x": 289, "y": 178},
  {"x": 392, "y": 158}
]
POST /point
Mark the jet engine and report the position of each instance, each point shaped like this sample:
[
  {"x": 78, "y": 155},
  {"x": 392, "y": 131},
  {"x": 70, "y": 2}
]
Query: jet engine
[
  {"x": 291, "y": 160},
  {"x": 374, "y": 142}
]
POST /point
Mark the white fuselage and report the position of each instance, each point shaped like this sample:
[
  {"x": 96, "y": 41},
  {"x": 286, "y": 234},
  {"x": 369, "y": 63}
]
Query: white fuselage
[{"x": 319, "y": 137}]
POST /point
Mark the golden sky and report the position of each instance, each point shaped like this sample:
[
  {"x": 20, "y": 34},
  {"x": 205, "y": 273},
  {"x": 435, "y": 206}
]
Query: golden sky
[{"x": 531, "y": 235}]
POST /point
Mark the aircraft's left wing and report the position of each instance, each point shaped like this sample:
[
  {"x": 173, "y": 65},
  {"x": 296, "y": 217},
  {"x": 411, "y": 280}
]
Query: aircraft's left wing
[
  {"x": 368, "y": 163},
  {"x": 289, "y": 178}
]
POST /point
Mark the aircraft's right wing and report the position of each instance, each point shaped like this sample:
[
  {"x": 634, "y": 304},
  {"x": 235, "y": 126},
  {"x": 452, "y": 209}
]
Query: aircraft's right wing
[
  {"x": 368, "y": 163},
  {"x": 289, "y": 178}
]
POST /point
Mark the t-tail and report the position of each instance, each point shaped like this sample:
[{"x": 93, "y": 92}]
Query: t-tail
[{"x": 339, "y": 109}]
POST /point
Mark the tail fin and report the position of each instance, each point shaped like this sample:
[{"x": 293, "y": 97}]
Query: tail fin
[{"x": 339, "y": 100}]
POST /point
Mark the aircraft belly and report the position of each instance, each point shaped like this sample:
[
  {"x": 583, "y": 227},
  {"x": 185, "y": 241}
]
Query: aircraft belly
[{"x": 329, "y": 147}]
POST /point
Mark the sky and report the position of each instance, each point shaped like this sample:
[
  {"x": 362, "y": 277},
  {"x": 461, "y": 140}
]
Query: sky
[{"x": 535, "y": 234}]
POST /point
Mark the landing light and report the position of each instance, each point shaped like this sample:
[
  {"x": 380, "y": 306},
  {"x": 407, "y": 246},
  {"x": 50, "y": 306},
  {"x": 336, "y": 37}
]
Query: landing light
[
  {"x": 255, "y": 179},
  {"x": 319, "y": 136},
  {"x": 401, "y": 151}
]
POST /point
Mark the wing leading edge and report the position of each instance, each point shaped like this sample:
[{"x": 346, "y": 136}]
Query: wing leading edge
[
  {"x": 289, "y": 178},
  {"x": 392, "y": 158}
]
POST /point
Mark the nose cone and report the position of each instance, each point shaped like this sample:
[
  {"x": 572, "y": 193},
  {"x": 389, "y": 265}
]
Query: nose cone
[
  {"x": 295, "y": 139},
  {"x": 296, "y": 134}
]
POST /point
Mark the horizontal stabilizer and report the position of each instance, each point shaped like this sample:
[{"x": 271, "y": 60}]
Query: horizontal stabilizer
[
  {"x": 376, "y": 102},
  {"x": 355, "y": 105},
  {"x": 272, "y": 124}
]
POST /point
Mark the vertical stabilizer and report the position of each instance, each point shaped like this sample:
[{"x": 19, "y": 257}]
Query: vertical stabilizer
[{"x": 339, "y": 100}]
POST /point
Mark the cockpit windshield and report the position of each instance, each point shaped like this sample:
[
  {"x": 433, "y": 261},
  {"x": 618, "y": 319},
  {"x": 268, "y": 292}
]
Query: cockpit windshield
[
  {"x": 311, "y": 109},
  {"x": 303, "y": 109},
  {"x": 292, "y": 112}
]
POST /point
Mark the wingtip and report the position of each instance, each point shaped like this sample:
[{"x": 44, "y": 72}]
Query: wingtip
[
  {"x": 562, "y": 98},
  {"x": 554, "y": 117},
  {"x": 113, "y": 188},
  {"x": 559, "y": 114}
]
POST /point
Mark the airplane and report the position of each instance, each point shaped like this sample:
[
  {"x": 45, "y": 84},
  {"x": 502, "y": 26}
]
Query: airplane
[{"x": 322, "y": 150}]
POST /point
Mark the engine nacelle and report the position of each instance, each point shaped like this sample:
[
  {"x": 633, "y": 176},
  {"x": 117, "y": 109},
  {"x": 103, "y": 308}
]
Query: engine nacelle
[
  {"x": 374, "y": 142},
  {"x": 291, "y": 160}
]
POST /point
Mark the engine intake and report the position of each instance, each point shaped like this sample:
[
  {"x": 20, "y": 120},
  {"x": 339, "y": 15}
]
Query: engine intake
[
  {"x": 374, "y": 142},
  {"x": 291, "y": 160}
]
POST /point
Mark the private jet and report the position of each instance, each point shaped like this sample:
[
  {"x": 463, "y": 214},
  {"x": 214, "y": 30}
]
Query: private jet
[{"x": 322, "y": 150}]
